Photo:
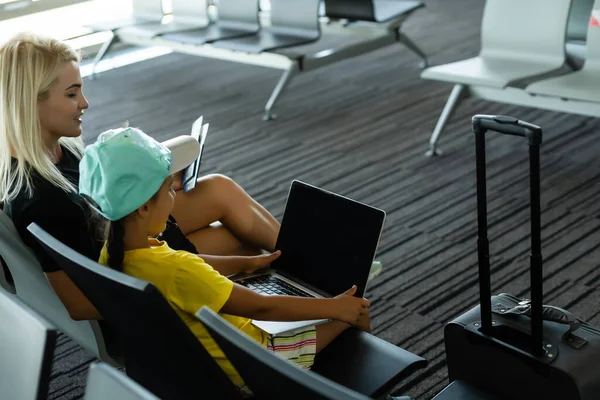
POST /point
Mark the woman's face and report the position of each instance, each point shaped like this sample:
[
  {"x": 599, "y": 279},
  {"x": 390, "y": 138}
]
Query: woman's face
[
  {"x": 162, "y": 207},
  {"x": 60, "y": 113}
]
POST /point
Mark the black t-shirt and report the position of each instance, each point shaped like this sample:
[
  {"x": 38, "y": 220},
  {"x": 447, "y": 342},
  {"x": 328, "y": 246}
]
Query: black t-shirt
[{"x": 64, "y": 215}]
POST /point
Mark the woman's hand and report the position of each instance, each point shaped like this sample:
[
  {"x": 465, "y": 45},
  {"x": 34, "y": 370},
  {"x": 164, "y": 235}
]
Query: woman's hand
[
  {"x": 260, "y": 261},
  {"x": 349, "y": 309},
  {"x": 177, "y": 177}
]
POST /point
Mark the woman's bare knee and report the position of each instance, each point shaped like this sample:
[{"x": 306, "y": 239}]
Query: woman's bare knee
[
  {"x": 235, "y": 201},
  {"x": 218, "y": 240},
  {"x": 207, "y": 203},
  {"x": 219, "y": 184}
]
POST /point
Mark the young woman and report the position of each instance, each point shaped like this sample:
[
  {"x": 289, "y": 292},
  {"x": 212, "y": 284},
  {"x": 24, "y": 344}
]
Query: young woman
[
  {"x": 42, "y": 107},
  {"x": 127, "y": 177}
]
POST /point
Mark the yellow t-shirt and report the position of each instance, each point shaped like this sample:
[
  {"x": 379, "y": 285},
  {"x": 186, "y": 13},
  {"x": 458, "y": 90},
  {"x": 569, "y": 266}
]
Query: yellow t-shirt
[{"x": 188, "y": 283}]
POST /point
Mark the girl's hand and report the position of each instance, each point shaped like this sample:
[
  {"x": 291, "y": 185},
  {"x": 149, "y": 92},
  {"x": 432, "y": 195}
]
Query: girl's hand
[
  {"x": 261, "y": 261},
  {"x": 364, "y": 322},
  {"x": 349, "y": 309}
]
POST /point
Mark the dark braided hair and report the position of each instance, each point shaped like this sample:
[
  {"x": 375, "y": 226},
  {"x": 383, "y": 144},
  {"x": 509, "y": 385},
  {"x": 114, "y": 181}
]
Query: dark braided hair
[{"x": 116, "y": 244}]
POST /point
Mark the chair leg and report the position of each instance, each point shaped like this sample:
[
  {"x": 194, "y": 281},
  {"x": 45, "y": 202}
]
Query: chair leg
[
  {"x": 456, "y": 96},
  {"x": 102, "y": 52},
  {"x": 402, "y": 38},
  {"x": 283, "y": 81}
]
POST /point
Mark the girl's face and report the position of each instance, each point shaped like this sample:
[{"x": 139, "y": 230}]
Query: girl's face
[
  {"x": 60, "y": 113},
  {"x": 162, "y": 207}
]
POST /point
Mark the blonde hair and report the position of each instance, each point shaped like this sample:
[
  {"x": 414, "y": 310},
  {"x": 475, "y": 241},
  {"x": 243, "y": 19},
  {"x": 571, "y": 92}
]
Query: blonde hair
[{"x": 29, "y": 68}]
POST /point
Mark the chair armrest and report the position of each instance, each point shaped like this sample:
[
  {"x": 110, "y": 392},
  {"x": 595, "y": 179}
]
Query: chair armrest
[
  {"x": 366, "y": 363},
  {"x": 461, "y": 390}
]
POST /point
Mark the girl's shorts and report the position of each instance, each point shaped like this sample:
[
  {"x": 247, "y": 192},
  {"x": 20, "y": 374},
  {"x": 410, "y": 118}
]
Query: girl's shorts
[{"x": 298, "y": 346}]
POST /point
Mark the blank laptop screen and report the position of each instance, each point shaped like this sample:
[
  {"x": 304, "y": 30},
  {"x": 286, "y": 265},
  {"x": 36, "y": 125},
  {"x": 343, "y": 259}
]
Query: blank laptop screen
[{"x": 326, "y": 240}]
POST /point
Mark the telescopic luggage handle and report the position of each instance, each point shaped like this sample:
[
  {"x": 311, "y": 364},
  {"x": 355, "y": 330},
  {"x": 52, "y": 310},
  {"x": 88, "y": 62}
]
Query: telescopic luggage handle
[
  {"x": 533, "y": 135},
  {"x": 508, "y": 126}
]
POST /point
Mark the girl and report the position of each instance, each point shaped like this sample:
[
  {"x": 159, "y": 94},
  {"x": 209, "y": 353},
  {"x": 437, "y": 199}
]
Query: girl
[
  {"x": 42, "y": 107},
  {"x": 127, "y": 177}
]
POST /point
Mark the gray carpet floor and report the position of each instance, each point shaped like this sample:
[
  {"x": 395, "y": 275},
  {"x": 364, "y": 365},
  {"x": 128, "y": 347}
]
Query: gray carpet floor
[{"x": 360, "y": 128}]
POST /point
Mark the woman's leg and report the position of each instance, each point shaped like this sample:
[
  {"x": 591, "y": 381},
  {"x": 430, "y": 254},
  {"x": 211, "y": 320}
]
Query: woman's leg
[
  {"x": 217, "y": 240},
  {"x": 244, "y": 224}
]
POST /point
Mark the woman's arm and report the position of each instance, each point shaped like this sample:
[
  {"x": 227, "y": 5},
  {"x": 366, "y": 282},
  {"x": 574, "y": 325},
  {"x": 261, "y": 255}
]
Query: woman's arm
[
  {"x": 58, "y": 215},
  {"x": 78, "y": 306},
  {"x": 247, "y": 303},
  {"x": 230, "y": 265}
]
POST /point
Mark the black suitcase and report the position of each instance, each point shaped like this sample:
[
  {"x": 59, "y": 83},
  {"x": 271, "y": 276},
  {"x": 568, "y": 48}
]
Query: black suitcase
[{"x": 517, "y": 348}]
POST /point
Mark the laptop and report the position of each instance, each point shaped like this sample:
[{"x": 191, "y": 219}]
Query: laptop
[
  {"x": 190, "y": 174},
  {"x": 327, "y": 242}
]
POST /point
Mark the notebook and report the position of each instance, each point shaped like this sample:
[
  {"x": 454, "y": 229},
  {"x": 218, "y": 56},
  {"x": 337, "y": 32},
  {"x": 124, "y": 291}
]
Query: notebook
[
  {"x": 327, "y": 242},
  {"x": 190, "y": 174}
]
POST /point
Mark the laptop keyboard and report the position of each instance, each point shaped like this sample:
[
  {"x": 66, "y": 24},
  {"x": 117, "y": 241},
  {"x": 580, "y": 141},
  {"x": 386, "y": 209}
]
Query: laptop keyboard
[{"x": 271, "y": 285}]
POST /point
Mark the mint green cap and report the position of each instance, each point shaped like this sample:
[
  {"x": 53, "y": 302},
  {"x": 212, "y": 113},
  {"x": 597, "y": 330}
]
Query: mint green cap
[{"x": 126, "y": 167}]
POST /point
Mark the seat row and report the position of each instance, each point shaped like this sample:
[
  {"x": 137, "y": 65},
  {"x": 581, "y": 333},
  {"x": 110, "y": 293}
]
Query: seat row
[
  {"x": 381, "y": 368},
  {"x": 238, "y": 31},
  {"x": 533, "y": 53},
  {"x": 171, "y": 363},
  {"x": 356, "y": 365},
  {"x": 27, "y": 344},
  {"x": 27, "y": 353}
]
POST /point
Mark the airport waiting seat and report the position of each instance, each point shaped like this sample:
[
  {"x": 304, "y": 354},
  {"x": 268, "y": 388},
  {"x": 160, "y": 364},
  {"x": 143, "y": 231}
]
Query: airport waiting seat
[
  {"x": 186, "y": 15},
  {"x": 171, "y": 363},
  {"x": 105, "y": 382},
  {"x": 372, "y": 363},
  {"x": 6, "y": 281},
  {"x": 236, "y": 19},
  {"x": 577, "y": 28},
  {"x": 27, "y": 345},
  {"x": 372, "y": 367},
  {"x": 378, "y": 11},
  {"x": 519, "y": 40},
  {"x": 143, "y": 12},
  {"x": 293, "y": 23},
  {"x": 462, "y": 390},
  {"x": 148, "y": 21},
  {"x": 582, "y": 85},
  {"x": 33, "y": 289},
  {"x": 287, "y": 37},
  {"x": 268, "y": 376}
]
